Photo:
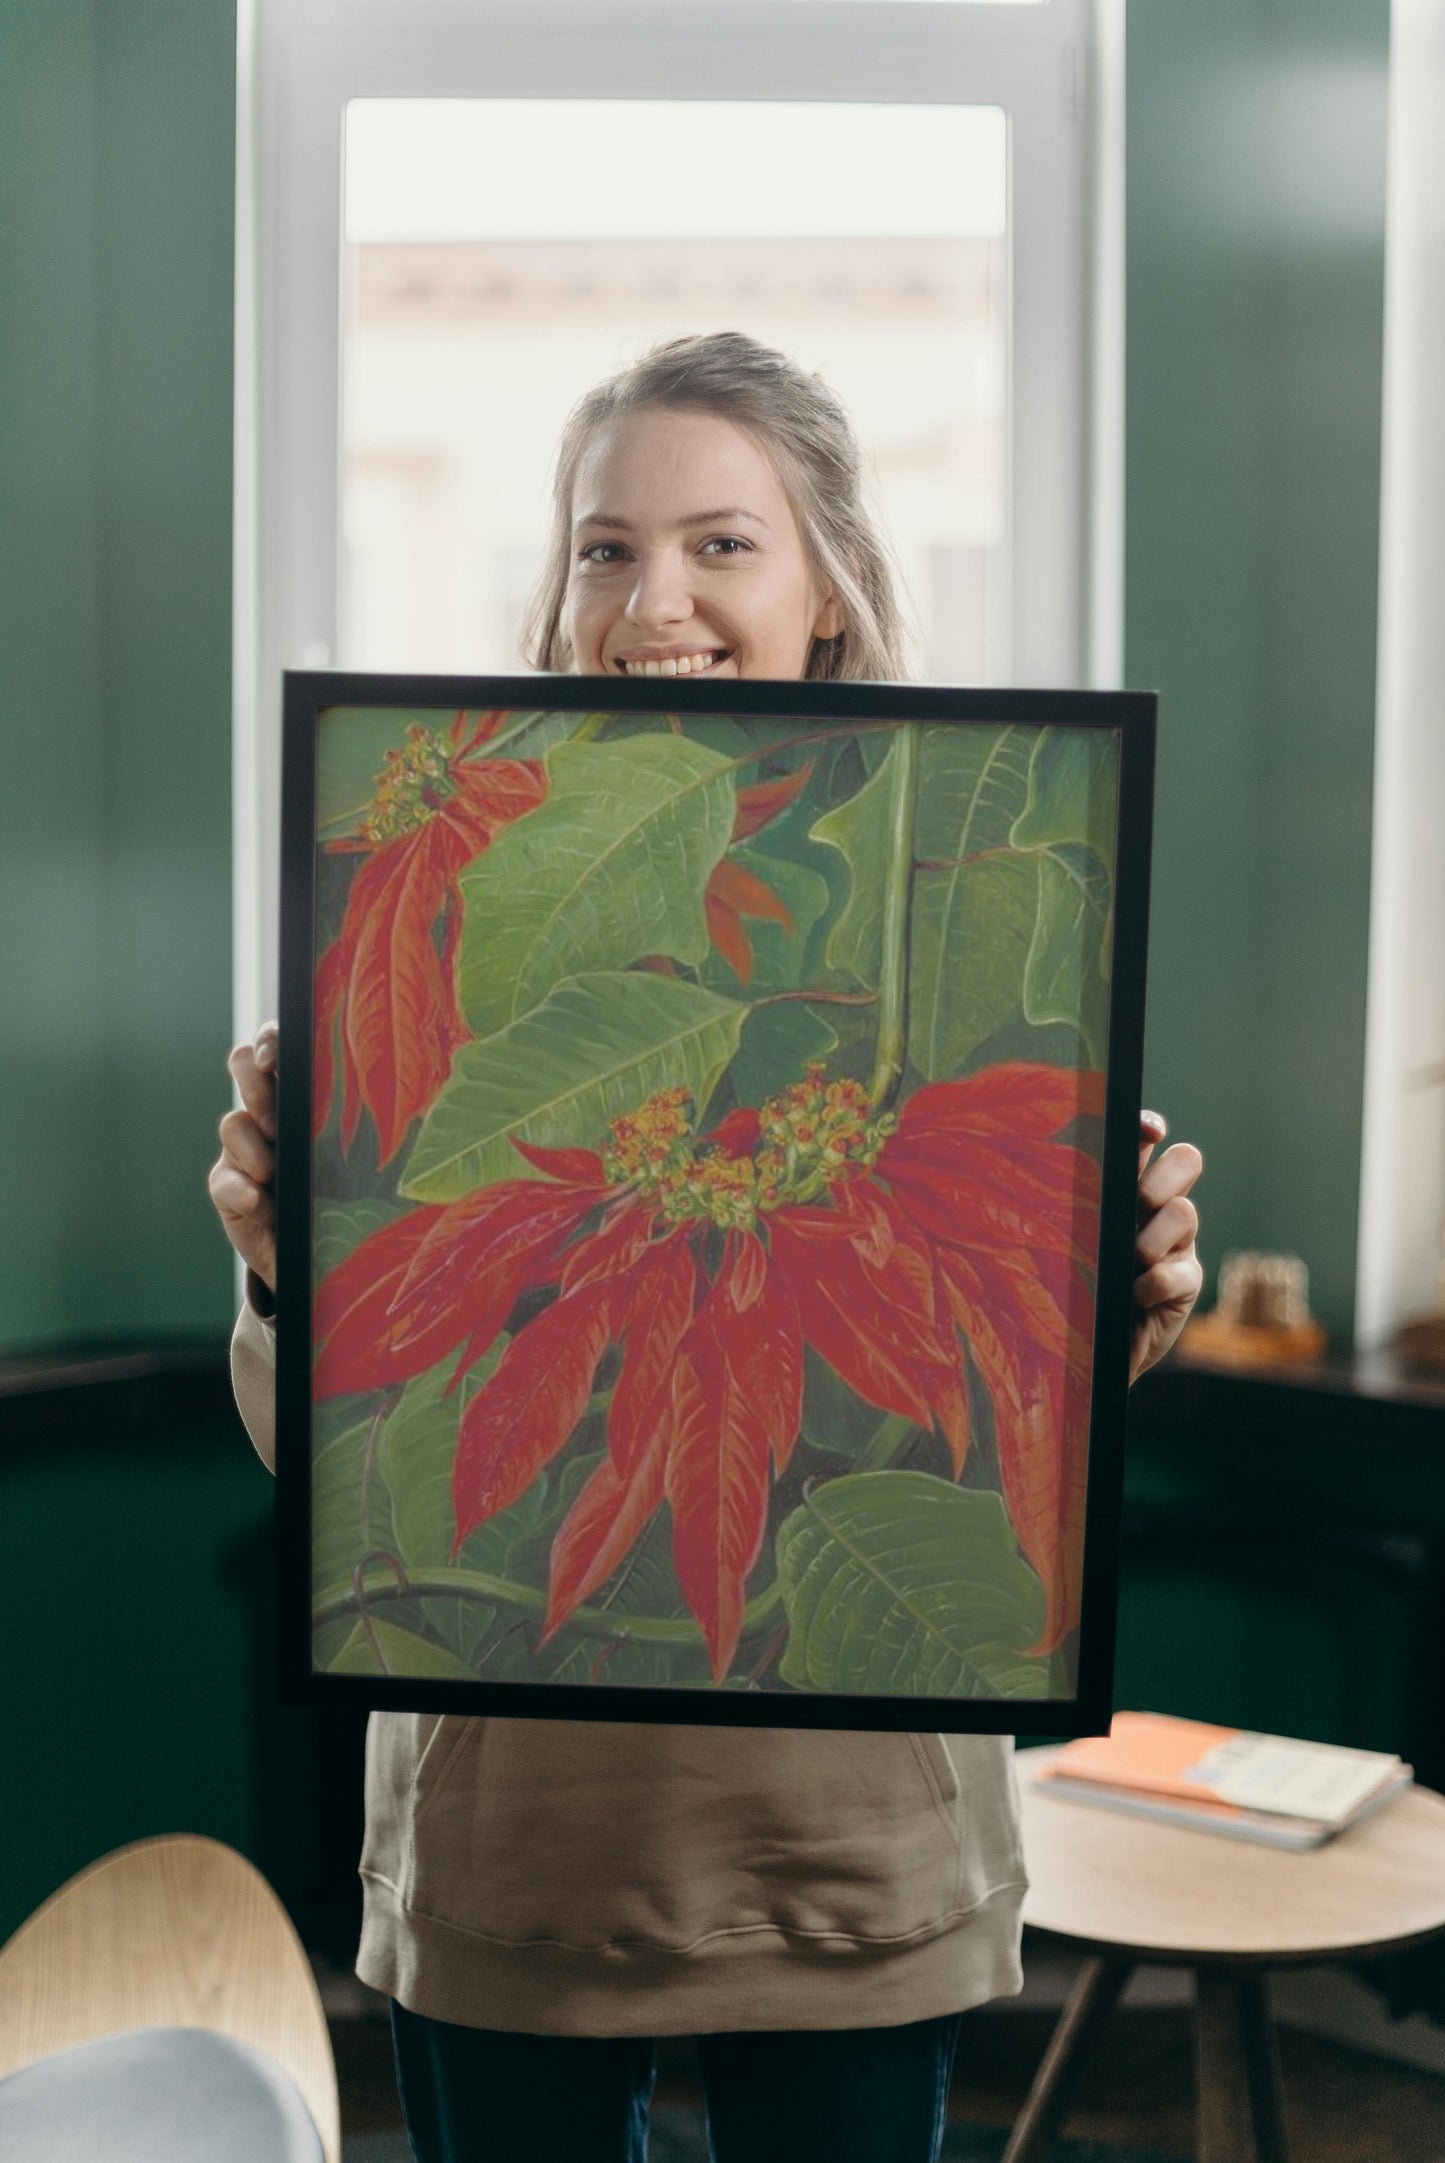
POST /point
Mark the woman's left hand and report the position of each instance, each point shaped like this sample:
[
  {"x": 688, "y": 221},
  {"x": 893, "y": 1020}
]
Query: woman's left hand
[{"x": 1168, "y": 1276}]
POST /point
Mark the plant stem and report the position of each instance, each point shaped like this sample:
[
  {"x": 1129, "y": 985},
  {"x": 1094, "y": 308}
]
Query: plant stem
[
  {"x": 816, "y": 998},
  {"x": 589, "y": 728},
  {"x": 481, "y": 1585},
  {"x": 889, "y": 1437},
  {"x": 897, "y": 903}
]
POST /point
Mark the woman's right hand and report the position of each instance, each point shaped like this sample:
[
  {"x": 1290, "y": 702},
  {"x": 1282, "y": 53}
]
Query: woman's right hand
[{"x": 242, "y": 1177}]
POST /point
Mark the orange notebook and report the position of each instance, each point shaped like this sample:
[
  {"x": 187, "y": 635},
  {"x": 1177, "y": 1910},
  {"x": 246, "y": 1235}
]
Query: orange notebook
[{"x": 1162, "y": 1755}]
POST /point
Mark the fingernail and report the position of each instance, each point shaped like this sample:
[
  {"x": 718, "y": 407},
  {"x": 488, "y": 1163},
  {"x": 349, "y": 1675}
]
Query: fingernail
[{"x": 1156, "y": 1120}]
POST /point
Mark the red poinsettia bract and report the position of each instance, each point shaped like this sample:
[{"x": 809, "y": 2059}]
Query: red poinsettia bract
[
  {"x": 886, "y": 1243},
  {"x": 436, "y": 808}
]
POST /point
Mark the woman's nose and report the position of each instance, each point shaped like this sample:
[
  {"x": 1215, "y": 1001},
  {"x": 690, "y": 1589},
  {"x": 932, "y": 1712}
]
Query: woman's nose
[{"x": 661, "y": 595}]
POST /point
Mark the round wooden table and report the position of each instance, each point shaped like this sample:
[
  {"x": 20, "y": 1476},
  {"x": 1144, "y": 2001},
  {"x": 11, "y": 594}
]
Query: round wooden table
[{"x": 1123, "y": 1889}]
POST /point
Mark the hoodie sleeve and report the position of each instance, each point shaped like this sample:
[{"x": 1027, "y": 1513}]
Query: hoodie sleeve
[{"x": 253, "y": 1368}]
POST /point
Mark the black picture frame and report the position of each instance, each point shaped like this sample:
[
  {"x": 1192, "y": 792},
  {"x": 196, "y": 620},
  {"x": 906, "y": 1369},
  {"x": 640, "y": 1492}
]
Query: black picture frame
[{"x": 1132, "y": 715}]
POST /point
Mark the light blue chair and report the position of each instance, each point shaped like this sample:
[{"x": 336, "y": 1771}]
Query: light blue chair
[{"x": 160, "y": 2008}]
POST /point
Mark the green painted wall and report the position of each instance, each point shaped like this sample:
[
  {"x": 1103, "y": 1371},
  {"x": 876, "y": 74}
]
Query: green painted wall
[
  {"x": 116, "y": 160},
  {"x": 125, "y": 1724},
  {"x": 1255, "y": 264}
]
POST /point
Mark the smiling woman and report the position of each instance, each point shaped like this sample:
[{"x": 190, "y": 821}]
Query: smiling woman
[{"x": 544, "y": 1896}]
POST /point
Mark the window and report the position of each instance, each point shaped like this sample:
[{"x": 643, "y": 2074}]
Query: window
[{"x": 452, "y": 219}]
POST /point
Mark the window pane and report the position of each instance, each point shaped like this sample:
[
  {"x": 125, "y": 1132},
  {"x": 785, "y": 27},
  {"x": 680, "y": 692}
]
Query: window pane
[{"x": 867, "y": 241}]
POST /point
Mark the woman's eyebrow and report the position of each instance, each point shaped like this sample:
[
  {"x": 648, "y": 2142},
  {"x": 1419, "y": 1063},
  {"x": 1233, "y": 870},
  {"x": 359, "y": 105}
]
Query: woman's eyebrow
[
  {"x": 723, "y": 517},
  {"x": 729, "y": 515}
]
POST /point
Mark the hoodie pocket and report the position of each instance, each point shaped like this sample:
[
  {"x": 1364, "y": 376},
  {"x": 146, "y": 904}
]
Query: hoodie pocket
[
  {"x": 586, "y": 1834},
  {"x": 940, "y": 1775}
]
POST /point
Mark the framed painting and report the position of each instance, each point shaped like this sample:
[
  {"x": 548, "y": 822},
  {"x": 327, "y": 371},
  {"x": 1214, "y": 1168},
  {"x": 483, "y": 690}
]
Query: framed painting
[{"x": 708, "y": 1137}]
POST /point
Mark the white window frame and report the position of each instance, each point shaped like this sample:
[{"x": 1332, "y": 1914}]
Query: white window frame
[
  {"x": 1402, "y": 1167},
  {"x": 1056, "y": 70}
]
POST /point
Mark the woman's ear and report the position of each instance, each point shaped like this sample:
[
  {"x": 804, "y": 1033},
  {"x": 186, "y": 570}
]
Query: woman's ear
[{"x": 830, "y": 619}]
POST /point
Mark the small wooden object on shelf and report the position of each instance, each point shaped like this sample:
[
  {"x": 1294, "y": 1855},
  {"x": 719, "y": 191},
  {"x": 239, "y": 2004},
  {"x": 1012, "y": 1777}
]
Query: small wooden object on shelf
[{"x": 1262, "y": 1317}]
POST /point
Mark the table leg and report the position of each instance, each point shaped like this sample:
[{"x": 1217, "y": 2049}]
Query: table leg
[
  {"x": 1236, "y": 2059},
  {"x": 1096, "y": 1991},
  {"x": 1261, "y": 2045}
]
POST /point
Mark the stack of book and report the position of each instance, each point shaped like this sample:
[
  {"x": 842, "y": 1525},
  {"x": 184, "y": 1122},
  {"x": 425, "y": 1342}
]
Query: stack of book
[{"x": 1229, "y": 1780}]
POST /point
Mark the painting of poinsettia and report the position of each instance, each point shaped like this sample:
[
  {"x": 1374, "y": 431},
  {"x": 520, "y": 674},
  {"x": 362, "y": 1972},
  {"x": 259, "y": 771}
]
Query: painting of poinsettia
[{"x": 706, "y": 1117}]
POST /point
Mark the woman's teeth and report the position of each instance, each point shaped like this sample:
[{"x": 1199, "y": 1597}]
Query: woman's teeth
[{"x": 686, "y": 664}]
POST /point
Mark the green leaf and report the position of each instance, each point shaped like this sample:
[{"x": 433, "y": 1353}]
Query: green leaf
[
  {"x": 342, "y": 1529},
  {"x": 1066, "y": 973},
  {"x": 969, "y": 943},
  {"x": 340, "y": 1228},
  {"x": 596, "y": 1046},
  {"x": 1073, "y": 791},
  {"x": 777, "y": 1045},
  {"x": 401, "y": 1651},
  {"x": 327, "y": 1639},
  {"x": 530, "y": 734},
  {"x": 973, "y": 919},
  {"x": 900, "y": 1584},
  {"x": 612, "y": 866},
  {"x": 858, "y": 829},
  {"x": 973, "y": 787},
  {"x": 414, "y": 1456}
]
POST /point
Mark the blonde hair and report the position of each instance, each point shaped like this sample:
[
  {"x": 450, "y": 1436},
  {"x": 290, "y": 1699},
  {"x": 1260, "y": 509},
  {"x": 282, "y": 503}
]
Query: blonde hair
[{"x": 805, "y": 429}]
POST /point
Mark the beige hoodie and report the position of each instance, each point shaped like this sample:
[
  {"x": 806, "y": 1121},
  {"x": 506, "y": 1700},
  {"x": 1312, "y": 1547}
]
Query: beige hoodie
[{"x": 566, "y": 1877}]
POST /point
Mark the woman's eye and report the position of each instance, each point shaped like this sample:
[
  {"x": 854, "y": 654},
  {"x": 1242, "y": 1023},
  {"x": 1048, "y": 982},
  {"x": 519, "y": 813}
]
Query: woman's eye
[
  {"x": 726, "y": 544},
  {"x": 601, "y": 552}
]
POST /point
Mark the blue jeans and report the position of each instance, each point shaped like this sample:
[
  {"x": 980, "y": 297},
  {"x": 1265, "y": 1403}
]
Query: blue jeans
[{"x": 832, "y": 2095}]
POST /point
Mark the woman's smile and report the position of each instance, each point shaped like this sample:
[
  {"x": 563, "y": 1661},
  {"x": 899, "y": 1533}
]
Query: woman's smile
[{"x": 672, "y": 660}]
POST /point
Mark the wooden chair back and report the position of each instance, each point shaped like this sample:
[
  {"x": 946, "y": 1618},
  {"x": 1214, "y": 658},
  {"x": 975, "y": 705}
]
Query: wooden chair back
[{"x": 175, "y": 1932}]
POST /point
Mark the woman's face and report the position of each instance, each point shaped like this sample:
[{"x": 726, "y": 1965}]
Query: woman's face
[{"x": 686, "y": 556}]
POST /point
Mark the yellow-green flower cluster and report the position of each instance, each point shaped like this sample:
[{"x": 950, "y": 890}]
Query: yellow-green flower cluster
[
  {"x": 415, "y": 779},
  {"x": 810, "y": 1135},
  {"x": 653, "y": 1150},
  {"x": 814, "y": 1132},
  {"x": 720, "y": 1188},
  {"x": 644, "y": 1147}
]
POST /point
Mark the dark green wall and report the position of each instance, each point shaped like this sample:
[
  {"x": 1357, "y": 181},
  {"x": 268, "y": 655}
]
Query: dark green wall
[
  {"x": 117, "y": 133},
  {"x": 1256, "y": 137},
  {"x": 139, "y": 1588},
  {"x": 137, "y": 1572}
]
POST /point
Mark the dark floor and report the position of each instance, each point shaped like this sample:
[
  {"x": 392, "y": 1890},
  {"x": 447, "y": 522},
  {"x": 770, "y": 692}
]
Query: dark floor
[{"x": 1342, "y": 2105}]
